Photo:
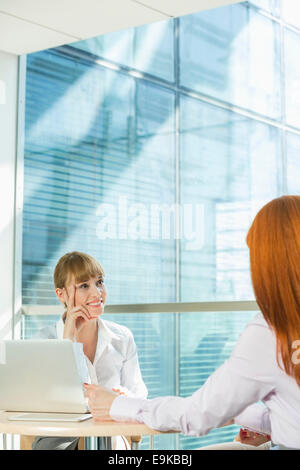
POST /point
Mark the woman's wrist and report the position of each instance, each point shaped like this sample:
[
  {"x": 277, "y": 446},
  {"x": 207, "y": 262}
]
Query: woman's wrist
[{"x": 69, "y": 332}]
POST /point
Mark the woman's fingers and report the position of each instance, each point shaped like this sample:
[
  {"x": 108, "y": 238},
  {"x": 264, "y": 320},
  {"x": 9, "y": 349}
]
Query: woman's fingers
[
  {"x": 81, "y": 312},
  {"x": 86, "y": 311},
  {"x": 99, "y": 400},
  {"x": 251, "y": 437},
  {"x": 101, "y": 417},
  {"x": 117, "y": 390},
  {"x": 66, "y": 297},
  {"x": 72, "y": 296},
  {"x": 93, "y": 386},
  {"x": 69, "y": 297},
  {"x": 70, "y": 302},
  {"x": 91, "y": 389}
]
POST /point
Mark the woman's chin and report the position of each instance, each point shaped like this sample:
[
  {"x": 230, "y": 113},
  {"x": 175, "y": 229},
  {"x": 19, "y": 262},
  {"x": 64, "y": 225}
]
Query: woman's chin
[{"x": 96, "y": 312}]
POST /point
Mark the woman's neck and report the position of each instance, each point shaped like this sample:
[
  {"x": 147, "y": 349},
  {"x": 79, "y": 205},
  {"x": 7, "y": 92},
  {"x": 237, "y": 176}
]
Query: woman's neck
[
  {"x": 88, "y": 336},
  {"x": 88, "y": 332}
]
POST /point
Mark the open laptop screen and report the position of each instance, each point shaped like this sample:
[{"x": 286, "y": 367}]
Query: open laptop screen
[{"x": 42, "y": 376}]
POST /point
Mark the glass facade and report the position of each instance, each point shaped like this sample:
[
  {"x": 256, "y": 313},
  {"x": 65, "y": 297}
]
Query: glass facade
[
  {"x": 292, "y": 77},
  {"x": 101, "y": 155},
  {"x": 271, "y": 6},
  {"x": 230, "y": 166},
  {"x": 152, "y": 149},
  {"x": 222, "y": 55},
  {"x": 291, "y": 12},
  {"x": 293, "y": 167},
  {"x": 149, "y": 49}
]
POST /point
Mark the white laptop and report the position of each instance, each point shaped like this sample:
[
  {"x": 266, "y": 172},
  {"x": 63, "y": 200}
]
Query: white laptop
[{"x": 43, "y": 376}]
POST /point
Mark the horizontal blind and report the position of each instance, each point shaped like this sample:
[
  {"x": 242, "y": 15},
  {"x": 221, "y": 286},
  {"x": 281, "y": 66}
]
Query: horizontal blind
[
  {"x": 206, "y": 342},
  {"x": 108, "y": 145}
]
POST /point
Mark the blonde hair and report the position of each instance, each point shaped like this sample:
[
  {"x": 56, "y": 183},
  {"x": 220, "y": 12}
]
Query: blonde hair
[{"x": 78, "y": 266}]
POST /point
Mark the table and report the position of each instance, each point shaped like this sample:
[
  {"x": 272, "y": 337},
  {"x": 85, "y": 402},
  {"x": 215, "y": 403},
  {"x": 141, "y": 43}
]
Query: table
[{"x": 104, "y": 431}]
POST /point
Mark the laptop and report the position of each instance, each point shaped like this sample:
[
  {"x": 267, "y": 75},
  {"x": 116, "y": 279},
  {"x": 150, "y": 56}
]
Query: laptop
[{"x": 45, "y": 377}]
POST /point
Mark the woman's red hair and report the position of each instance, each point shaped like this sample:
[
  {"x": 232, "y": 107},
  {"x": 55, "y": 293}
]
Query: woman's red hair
[{"x": 274, "y": 243}]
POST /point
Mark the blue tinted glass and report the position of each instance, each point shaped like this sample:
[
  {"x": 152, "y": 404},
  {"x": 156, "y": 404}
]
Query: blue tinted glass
[
  {"x": 292, "y": 77},
  {"x": 230, "y": 166},
  {"x": 293, "y": 163},
  {"x": 272, "y": 6},
  {"x": 231, "y": 53},
  {"x": 291, "y": 12},
  {"x": 94, "y": 145},
  {"x": 206, "y": 341},
  {"x": 148, "y": 48},
  {"x": 154, "y": 336}
]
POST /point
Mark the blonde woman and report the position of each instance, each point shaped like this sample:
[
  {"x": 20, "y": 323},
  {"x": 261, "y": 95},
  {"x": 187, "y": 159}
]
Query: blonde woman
[{"x": 109, "y": 348}]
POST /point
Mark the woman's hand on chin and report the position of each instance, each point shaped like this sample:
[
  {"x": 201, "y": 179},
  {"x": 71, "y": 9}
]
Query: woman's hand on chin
[{"x": 76, "y": 316}]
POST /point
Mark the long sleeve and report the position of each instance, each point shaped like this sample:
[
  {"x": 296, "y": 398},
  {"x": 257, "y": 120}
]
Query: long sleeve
[
  {"x": 244, "y": 379},
  {"x": 131, "y": 377},
  {"x": 255, "y": 418}
]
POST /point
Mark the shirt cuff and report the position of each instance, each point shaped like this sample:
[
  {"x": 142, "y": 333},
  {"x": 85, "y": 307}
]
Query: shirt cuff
[{"x": 126, "y": 408}]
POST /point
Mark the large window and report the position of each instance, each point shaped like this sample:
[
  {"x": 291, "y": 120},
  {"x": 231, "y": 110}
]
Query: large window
[
  {"x": 152, "y": 149},
  {"x": 230, "y": 165},
  {"x": 222, "y": 55}
]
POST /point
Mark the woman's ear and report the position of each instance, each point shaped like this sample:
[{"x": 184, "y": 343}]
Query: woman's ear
[{"x": 60, "y": 295}]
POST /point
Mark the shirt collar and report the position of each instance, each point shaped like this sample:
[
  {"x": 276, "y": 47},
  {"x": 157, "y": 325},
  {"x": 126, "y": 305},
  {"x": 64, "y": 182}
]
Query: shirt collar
[{"x": 106, "y": 334}]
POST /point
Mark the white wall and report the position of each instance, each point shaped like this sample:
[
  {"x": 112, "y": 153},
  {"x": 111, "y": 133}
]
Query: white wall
[{"x": 8, "y": 124}]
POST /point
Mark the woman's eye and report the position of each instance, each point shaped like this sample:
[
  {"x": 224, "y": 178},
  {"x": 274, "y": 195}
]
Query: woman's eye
[
  {"x": 100, "y": 282},
  {"x": 83, "y": 286}
]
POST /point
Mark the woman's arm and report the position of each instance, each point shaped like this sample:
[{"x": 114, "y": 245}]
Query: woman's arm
[
  {"x": 255, "y": 418},
  {"x": 246, "y": 378},
  {"x": 224, "y": 395}
]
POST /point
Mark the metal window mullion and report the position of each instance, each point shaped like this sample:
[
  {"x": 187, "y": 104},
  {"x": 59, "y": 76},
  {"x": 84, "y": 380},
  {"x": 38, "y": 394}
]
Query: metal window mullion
[
  {"x": 283, "y": 107},
  {"x": 270, "y": 16},
  {"x": 182, "y": 90},
  {"x": 168, "y": 307},
  {"x": 178, "y": 201},
  {"x": 18, "y": 195}
]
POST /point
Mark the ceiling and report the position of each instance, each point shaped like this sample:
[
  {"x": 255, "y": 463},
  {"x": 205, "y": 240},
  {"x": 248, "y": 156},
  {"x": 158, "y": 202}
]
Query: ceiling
[{"x": 32, "y": 25}]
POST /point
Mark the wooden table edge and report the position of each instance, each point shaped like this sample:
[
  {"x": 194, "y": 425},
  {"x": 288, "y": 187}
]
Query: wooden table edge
[{"x": 88, "y": 428}]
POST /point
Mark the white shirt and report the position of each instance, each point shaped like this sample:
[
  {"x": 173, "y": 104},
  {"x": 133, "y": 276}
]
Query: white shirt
[
  {"x": 250, "y": 375},
  {"x": 116, "y": 363}
]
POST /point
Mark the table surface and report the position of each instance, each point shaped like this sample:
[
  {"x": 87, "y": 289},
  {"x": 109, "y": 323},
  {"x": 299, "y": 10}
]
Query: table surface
[{"x": 85, "y": 428}]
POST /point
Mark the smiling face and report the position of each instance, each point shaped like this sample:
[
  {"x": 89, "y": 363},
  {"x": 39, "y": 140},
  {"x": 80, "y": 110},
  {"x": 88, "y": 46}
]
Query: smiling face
[
  {"x": 87, "y": 276},
  {"x": 92, "y": 294}
]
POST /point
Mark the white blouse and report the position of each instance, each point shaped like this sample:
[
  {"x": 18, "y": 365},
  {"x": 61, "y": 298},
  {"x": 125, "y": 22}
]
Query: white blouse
[
  {"x": 116, "y": 362},
  {"x": 250, "y": 375}
]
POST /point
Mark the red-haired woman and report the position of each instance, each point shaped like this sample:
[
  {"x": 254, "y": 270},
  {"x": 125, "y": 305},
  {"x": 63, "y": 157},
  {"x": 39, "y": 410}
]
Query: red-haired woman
[{"x": 264, "y": 366}]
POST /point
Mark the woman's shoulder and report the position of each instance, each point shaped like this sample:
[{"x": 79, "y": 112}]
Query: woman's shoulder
[
  {"x": 259, "y": 322},
  {"x": 257, "y": 340},
  {"x": 257, "y": 330},
  {"x": 117, "y": 328}
]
